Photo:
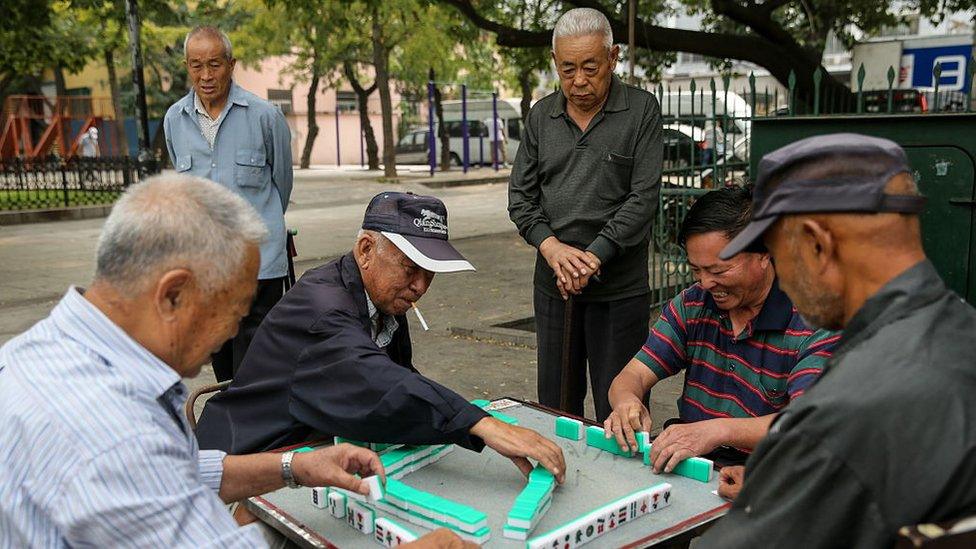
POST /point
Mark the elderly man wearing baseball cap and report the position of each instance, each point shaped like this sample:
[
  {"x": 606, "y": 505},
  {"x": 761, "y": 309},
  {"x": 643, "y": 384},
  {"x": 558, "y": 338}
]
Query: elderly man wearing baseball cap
[
  {"x": 887, "y": 436},
  {"x": 333, "y": 357}
]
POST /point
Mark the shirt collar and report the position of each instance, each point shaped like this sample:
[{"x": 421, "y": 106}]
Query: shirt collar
[
  {"x": 776, "y": 312},
  {"x": 616, "y": 100},
  {"x": 82, "y": 321},
  {"x": 234, "y": 97},
  {"x": 916, "y": 287}
]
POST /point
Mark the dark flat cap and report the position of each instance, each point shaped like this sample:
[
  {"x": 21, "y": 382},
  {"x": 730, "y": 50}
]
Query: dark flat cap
[{"x": 857, "y": 192}]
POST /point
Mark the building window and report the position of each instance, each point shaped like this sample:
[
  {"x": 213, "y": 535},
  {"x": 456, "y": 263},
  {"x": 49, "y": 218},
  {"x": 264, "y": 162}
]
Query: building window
[
  {"x": 282, "y": 98},
  {"x": 346, "y": 101}
]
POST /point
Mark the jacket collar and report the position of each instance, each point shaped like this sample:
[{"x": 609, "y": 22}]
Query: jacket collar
[
  {"x": 915, "y": 288},
  {"x": 352, "y": 281}
]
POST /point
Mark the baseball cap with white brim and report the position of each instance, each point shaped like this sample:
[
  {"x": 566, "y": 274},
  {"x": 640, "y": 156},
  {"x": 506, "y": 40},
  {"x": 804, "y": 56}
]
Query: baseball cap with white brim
[{"x": 417, "y": 226}]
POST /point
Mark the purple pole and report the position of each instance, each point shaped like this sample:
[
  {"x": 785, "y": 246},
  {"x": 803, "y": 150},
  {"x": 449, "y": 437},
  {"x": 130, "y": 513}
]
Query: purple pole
[
  {"x": 338, "y": 157},
  {"x": 464, "y": 126},
  {"x": 494, "y": 135},
  {"x": 432, "y": 144}
]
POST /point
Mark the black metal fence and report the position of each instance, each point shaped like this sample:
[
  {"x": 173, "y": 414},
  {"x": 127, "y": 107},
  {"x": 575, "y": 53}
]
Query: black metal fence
[
  {"x": 707, "y": 138},
  {"x": 61, "y": 183}
]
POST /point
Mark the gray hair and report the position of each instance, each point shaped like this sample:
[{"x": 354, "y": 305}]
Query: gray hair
[
  {"x": 213, "y": 32},
  {"x": 583, "y": 22},
  {"x": 381, "y": 240},
  {"x": 176, "y": 221}
]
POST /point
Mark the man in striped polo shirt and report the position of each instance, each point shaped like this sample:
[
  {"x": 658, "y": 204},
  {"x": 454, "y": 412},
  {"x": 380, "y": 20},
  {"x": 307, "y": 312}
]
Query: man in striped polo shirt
[{"x": 746, "y": 351}]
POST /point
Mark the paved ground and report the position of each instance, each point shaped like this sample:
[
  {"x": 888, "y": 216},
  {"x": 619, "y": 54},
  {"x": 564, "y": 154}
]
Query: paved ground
[{"x": 39, "y": 261}]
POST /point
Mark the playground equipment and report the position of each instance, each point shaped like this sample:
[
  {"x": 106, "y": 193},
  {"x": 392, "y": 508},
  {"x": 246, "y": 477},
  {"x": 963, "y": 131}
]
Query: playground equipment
[{"x": 36, "y": 126}]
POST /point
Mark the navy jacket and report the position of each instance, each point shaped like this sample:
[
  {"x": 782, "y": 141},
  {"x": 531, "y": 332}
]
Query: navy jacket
[{"x": 313, "y": 369}]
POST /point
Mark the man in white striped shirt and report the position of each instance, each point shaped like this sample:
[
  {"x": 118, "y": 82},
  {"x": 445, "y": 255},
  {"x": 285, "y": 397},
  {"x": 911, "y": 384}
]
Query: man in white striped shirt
[{"x": 94, "y": 447}]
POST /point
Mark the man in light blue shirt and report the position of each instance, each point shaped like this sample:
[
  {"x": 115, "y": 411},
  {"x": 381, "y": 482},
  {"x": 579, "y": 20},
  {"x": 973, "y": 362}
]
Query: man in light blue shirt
[
  {"x": 226, "y": 134},
  {"x": 94, "y": 447}
]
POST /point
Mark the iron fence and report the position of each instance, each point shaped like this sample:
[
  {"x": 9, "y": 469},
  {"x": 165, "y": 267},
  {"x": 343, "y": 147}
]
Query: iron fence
[
  {"x": 707, "y": 132},
  {"x": 54, "y": 182}
]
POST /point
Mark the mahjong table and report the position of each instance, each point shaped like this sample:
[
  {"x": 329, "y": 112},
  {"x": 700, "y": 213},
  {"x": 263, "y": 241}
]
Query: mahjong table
[{"x": 490, "y": 483}]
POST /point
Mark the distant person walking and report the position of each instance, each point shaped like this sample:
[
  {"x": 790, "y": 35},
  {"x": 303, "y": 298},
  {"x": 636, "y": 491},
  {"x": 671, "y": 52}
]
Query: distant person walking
[
  {"x": 88, "y": 144},
  {"x": 226, "y": 134},
  {"x": 499, "y": 140}
]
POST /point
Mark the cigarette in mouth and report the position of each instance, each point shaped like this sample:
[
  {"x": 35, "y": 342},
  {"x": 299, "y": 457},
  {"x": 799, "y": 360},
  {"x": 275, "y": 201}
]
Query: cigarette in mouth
[{"x": 420, "y": 317}]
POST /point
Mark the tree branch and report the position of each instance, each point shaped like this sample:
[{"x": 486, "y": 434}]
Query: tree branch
[{"x": 767, "y": 8}]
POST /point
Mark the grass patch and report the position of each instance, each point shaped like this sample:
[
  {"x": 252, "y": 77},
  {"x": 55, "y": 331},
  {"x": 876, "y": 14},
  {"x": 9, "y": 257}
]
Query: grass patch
[{"x": 49, "y": 198}]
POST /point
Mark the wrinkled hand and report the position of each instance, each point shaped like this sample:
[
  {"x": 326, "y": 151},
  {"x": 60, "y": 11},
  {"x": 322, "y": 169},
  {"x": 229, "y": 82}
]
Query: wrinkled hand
[
  {"x": 626, "y": 419},
  {"x": 519, "y": 443},
  {"x": 730, "y": 481},
  {"x": 336, "y": 465},
  {"x": 440, "y": 539},
  {"x": 573, "y": 267},
  {"x": 680, "y": 442}
]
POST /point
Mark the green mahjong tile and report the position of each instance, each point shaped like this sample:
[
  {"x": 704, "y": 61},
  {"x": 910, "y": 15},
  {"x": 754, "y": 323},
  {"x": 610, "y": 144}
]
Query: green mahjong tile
[
  {"x": 695, "y": 468},
  {"x": 504, "y": 417},
  {"x": 596, "y": 438},
  {"x": 481, "y": 403},
  {"x": 541, "y": 475},
  {"x": 568, "y": 428}
]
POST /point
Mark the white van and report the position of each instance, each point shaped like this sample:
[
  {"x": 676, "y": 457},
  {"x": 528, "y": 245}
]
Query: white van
[
  {"x": 479, "y": 117},
  {"x": 686, "y": 108}
]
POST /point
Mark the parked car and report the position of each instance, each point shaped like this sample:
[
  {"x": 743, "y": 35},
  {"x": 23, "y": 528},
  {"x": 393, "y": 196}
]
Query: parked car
[
  {"x": 413, "y": 149},
  {"x": 683, "y": 145}
]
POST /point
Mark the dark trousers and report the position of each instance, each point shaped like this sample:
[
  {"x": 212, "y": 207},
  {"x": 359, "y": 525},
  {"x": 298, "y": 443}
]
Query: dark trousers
[
  {"x": 228, "y": 359},
  {"x": 604, "y": 334}
]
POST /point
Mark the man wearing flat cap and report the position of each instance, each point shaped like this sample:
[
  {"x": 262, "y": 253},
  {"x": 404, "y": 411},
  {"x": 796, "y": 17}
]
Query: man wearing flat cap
[
  {"x": 887, "y": 436},
  {"x": 333, "y": 357}
]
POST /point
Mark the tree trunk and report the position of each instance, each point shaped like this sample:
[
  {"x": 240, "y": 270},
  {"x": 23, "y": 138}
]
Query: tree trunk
[
  {"x": 113, "y": 86},
  {"x": 525, "y": 84},
  {"x": 381, "y": 59},
  {"x": 442, "y": 135},
  {"x": 362, "y": 100},
  {"x": 313, "y": 126}
]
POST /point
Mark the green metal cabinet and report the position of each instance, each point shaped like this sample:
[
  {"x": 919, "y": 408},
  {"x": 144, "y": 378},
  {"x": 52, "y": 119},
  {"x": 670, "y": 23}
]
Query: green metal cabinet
[{"x": 941, "y": 149}]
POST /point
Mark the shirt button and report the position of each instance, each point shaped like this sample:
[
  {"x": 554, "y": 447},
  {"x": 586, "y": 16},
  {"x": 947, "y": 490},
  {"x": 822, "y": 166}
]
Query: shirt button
[
  {"x": 748, "y": 509},
  {"x": 214, "y": 165},
  {"x": 731, "y": 367}
]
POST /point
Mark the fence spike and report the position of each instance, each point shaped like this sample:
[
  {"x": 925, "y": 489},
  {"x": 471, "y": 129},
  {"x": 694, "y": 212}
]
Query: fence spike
[
  {"x": 817, "y": 79},
  {"x": 861, "y": 73},
  {"x": 791, "y": 82},
  {"x": 891, "y": 81},
  {"x": 969, "y": 89}
]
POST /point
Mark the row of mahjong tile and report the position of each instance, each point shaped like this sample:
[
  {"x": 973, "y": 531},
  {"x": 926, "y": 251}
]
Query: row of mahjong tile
[
  {"x": 360, "y": 515},
  {"x": 696, "y": 468},
  {"x": 417, "y": 502},
  {"x": 402, "y": 461},
  {"x": 531, "y": 504},
  {"x": 605, "y": 519}
]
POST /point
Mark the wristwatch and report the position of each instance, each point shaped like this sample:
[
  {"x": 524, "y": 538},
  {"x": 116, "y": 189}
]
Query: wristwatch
[{"x": 286, "y": 472}]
